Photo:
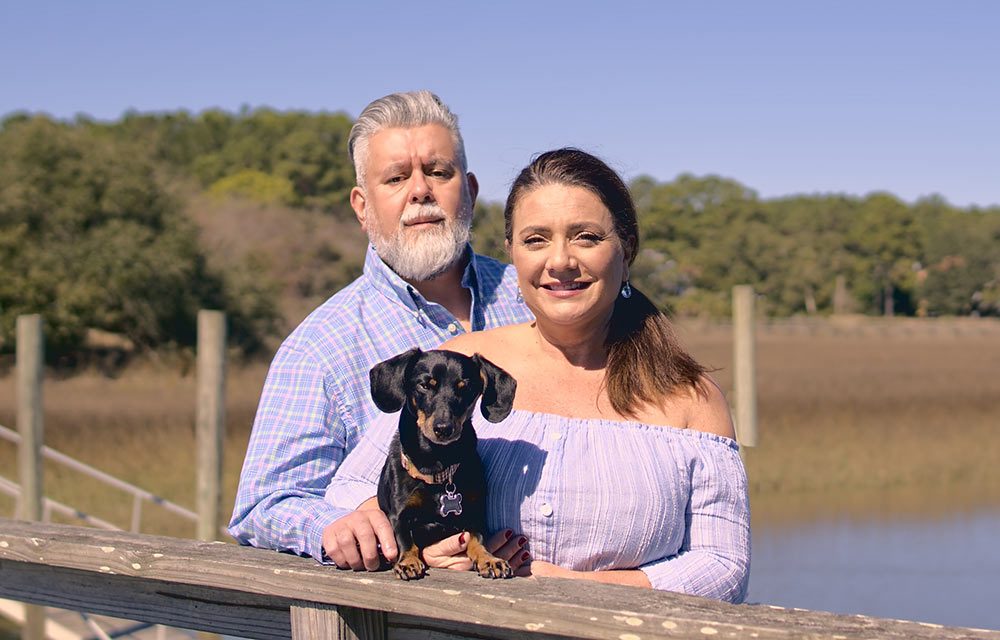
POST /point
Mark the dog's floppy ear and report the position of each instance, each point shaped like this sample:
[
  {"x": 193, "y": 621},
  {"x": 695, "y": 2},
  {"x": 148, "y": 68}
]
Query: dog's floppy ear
[
  {"x": 498, "y": 390},
  {"x": 387, "y": 381}
]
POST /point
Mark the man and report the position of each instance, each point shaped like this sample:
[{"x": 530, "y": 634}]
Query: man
[{"x": 421, "y": 285}]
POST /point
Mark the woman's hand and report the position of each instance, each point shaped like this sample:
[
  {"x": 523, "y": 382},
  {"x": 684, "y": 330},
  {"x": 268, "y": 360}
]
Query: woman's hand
[{"x": 450, "y": 552}]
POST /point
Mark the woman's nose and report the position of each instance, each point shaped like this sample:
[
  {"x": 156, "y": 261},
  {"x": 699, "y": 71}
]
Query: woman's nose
[{"x": 561, "y": 258}]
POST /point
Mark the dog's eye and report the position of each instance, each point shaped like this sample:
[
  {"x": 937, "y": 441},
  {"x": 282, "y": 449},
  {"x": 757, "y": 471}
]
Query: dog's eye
[{"x": 461, "y": 384}]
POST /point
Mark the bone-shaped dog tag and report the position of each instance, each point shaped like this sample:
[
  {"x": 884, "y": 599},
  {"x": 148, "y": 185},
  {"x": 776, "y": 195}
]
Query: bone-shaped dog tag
[{"x": 451, "y": 502}]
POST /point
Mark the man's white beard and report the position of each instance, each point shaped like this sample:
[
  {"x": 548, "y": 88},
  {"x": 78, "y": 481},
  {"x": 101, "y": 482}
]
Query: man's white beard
[{"x": 423, "y": 253}]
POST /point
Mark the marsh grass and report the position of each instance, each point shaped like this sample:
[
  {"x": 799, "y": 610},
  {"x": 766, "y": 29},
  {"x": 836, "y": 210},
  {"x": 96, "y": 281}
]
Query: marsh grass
[
  {"x": 867, "y": 424},
  {"x": 856, "y": 424}
]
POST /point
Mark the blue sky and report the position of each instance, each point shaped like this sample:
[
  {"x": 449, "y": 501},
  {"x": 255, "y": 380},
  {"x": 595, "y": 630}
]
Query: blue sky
[{"x": 786, "y": 97}]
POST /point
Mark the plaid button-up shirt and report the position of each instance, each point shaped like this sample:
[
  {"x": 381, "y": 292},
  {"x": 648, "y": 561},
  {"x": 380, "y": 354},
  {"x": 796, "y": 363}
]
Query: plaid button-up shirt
[{"x": 316, "y": 403}]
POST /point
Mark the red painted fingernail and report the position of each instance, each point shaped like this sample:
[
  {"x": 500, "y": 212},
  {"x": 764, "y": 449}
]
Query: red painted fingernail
[
  {"x": 524, "y": 556},
  {"x": 521, "y": 541},
  {"x": 461, "y": 538},
  {"x": 507, "y": 534}
]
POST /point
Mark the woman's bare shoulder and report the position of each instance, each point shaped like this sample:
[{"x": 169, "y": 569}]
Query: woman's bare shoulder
[
  {"x": 708, "y": 410},
  {"x": 488, "y": 343}
]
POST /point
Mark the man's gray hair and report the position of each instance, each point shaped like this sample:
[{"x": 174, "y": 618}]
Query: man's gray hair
[{"x": 405, "y": 111}]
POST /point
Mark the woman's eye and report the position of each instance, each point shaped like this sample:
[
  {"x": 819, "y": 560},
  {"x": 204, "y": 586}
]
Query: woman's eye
[
  {"x": 533, "y": 241},
  {"x": 589, "y": 238}
]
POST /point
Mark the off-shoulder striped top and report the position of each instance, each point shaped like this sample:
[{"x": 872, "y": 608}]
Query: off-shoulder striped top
[{"x": 594, "y": 495}]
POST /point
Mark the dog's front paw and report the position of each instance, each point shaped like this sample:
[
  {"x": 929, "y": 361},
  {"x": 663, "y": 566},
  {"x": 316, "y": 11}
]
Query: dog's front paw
[
  {"x": 409, "y": 568},
  {"x": 494, "y": 568}
]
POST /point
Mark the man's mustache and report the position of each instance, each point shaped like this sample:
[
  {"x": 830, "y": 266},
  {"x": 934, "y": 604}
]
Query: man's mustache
[{"x": 425, "y": 212}]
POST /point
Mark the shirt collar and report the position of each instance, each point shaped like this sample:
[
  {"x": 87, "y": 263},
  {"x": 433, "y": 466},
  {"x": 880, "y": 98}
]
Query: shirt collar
[{"x": 388, "y": 283}]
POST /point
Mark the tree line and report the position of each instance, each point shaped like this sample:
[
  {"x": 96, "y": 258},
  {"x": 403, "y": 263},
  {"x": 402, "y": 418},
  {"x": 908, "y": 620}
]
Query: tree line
[{"x": 93, "y": 233}]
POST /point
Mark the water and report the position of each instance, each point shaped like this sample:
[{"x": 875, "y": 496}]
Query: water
[{"x": 943, "y": 570}]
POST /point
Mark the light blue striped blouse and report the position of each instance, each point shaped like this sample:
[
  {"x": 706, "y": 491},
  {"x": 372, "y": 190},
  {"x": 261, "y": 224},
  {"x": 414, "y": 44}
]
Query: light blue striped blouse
[{"x": 595, "y": 494}]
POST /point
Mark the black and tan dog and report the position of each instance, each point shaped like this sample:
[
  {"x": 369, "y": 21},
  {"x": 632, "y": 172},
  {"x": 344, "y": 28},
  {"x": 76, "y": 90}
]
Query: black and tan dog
[{"x": 433, "y": 485}]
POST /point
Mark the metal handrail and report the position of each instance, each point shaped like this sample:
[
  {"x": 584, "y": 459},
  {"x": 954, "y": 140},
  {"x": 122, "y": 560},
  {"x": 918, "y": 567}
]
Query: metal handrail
[{"x": 138, "y": 493}]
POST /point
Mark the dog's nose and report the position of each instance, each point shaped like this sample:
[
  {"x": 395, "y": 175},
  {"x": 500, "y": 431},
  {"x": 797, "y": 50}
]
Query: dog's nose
[{"x": 443, "y": 429}]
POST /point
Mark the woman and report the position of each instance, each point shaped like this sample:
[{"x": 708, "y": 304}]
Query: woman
[{"x": 619, "y": 462}]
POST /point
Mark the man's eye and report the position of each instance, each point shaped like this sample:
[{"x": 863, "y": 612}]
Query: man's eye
[{"x": 394, "y": 180}]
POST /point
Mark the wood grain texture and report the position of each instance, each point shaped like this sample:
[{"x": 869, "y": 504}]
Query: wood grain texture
[
  {"x": 250, "y": 592},
  {"x": 342, "y": 623}
]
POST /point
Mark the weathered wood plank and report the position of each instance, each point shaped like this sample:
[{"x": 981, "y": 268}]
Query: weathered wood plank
[
  {"x": 210, "y": 419},
  {"x": 343, "y": 623},
  {"x": 217, "y": 580},
  {"x": 30, "y": 426},
  {"x": 171, "y": 604}
]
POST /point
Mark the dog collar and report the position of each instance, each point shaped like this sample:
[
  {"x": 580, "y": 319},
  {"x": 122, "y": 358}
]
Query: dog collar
[{"x": 441, "y": 477}]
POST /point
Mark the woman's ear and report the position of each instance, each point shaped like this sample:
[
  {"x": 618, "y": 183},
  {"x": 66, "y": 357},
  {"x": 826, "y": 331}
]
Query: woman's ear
[
  {"x": 506, "y": 246},
  {"x": 498, "y": 390}
]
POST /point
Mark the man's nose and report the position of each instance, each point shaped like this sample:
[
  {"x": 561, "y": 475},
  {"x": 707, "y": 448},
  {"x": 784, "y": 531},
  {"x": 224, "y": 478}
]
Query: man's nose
[{"x": 420, "y": 189}]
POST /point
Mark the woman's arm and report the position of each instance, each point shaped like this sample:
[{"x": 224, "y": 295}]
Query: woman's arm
[
  {"x": 356, "y": 480},
  {"x": 714, "y": 559},
  {"x": 629, "y": 577}
]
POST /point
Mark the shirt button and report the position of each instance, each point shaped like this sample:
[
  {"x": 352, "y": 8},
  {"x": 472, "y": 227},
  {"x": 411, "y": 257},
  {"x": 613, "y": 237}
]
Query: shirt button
[
  {"x": 453, "y": 328},
  {"x": 555, "y": 435},
  {"x": 546, "y": 509}
]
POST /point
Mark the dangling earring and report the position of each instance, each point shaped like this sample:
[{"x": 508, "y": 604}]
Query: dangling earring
[
  {"x": 626, "y": 290},
  {"x": 519, "y": 297}
]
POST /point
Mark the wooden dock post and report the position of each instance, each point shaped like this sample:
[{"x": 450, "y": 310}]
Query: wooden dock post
[
  {"x": 210, "y": 419},
  {"x": 30, "y": 425},
  {"x": 744, "y": 370}
]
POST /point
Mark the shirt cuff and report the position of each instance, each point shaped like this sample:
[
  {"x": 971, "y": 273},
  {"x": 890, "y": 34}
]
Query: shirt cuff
[{"x": 315, "y": 528}]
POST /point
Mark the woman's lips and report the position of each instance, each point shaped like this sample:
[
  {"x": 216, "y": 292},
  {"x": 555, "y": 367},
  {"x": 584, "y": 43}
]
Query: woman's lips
[{"x": 565, "y": 289}]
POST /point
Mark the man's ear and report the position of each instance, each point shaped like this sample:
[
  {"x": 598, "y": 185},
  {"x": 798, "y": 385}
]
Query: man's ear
[
  {"x": 473, "y": 182},
  {"x": 358, "y": 200},
  {"x": 387, "y": 379},
  {"x": 498, "y": 390}
]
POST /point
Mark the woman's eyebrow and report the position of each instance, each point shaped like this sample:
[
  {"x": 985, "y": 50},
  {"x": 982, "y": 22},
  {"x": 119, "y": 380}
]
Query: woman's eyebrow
[
  {"x": 585, "y": 226},
  {"x": 533, "y": 229}
]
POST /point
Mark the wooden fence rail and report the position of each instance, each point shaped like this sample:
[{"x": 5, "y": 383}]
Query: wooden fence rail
[{"x": 222, "y": 588}]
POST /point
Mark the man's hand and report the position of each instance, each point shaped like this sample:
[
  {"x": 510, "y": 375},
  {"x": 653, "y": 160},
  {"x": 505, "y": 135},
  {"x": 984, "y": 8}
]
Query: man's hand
[
  {"x": 450, "y": 552},
  {"x": 352, "y": 540}
]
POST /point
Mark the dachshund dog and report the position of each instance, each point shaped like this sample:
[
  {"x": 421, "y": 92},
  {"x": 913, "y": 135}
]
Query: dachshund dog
[{"x": 433, "y": 484}]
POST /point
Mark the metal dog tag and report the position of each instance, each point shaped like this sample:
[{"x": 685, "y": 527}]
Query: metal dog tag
[{"x": 451, "y": 502}]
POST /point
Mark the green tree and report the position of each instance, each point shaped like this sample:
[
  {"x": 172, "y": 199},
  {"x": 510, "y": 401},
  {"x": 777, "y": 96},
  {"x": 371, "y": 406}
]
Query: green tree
[
  {"x": 89, "y": 239},
  {"x": 889, "y": 245}
]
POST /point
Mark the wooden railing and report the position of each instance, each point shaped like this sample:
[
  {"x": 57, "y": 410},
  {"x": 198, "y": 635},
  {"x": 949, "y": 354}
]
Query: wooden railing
[
  {"x": 139, "y": 495},
  {"x": 223, "y": 588}
]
